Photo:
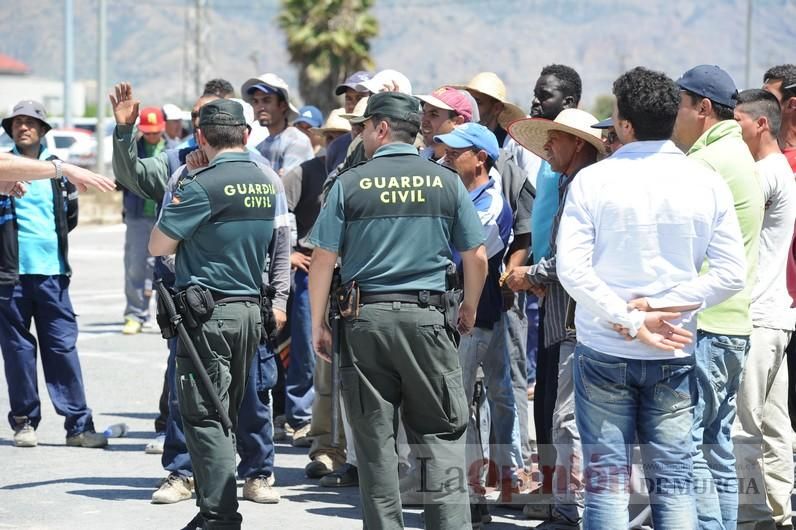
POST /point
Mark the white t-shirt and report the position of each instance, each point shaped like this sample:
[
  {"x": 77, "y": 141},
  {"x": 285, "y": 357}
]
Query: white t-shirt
[{"x": 770, "y": 299}]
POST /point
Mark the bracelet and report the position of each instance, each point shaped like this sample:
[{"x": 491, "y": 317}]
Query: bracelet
[{"x": 59, "y": 173}]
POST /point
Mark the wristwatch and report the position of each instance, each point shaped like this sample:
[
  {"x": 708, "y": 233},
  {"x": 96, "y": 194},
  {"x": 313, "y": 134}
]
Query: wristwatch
[{"x": 59, "y": 173}]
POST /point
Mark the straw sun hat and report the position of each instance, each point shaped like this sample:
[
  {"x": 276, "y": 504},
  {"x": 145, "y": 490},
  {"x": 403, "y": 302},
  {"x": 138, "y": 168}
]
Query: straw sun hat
[{"x": 531, "y": 133}]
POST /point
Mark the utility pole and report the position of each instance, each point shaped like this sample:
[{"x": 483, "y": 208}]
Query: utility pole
[
  {"x": 101, "y": 102},
  {"x": 748, "y": 77},
  {"x": 200, "y": 40},
  {"x": 69, "y": 55}
]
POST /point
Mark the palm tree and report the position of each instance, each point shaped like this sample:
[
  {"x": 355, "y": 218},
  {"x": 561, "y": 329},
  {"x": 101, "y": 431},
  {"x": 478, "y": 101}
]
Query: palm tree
[{"x": 327, "y": 40}]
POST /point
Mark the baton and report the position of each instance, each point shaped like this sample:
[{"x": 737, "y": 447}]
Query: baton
[
  {"x": 176, "y": 320},
  {"x": 334, "y": 322}
]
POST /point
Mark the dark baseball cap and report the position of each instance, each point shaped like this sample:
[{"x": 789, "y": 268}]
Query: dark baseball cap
[
  {"x": 221, "y": 112},
  {"x": 607, "y": 123},
  {"x": 711, "y": 82},
  {"x": 352, "y": 81},
  {"x": 392, "y": 105},
  {"x": 30, "y": 108}
]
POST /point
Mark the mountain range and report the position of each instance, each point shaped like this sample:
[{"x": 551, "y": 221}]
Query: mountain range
[{"x": 152, "y": 43}]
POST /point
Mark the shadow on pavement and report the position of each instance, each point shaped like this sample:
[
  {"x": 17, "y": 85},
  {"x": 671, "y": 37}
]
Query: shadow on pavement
[
  {"x": 115, "y": 494},
  {"x": 138, "y": 415},
  {"x": 146, "y": 483}
]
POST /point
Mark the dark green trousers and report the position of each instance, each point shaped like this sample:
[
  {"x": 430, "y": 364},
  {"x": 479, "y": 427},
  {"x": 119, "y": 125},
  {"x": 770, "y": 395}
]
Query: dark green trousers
[
  {"x": 226, "y": 346},
  {"x": 398, "y": 354}
]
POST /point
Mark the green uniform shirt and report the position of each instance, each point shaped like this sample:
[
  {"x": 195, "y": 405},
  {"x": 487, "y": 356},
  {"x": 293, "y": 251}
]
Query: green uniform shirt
[
  {"x": 223, "y": 217},
  {"x": 722, "y": 149},
  {"x": 392, "y": 220}
]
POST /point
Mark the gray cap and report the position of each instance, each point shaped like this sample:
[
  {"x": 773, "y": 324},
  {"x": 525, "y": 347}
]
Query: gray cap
[{"x": 28, "y": 107}]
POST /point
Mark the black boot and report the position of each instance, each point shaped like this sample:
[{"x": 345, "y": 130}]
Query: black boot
[{"x": 197, "y": 523}]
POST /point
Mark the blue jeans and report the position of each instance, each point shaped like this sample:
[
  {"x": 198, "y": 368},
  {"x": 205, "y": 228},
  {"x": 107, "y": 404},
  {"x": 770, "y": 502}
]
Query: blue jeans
[
  {"x": 44, "y": 300},
  {"x": 254, "y": 434},
  {"x": 299, "y": 392},
  {"x": 486, "y": 347},
  {"x": 719, "y": 365},
  {"x": 618, "y": 400}
]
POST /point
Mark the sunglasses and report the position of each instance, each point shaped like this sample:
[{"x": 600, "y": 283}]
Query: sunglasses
[{"x": 610, "y": 138}]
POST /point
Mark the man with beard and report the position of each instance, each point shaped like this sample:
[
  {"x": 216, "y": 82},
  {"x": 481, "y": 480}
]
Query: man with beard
[{"x": 285, "y": 147}]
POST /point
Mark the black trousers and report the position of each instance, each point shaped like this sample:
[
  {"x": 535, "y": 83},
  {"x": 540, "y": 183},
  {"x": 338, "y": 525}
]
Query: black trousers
[{"x": 544, "y": 404}]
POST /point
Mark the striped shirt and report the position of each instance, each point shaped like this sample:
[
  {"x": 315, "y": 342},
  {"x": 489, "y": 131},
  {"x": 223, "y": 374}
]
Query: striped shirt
[{"x": 543, "y": 272}]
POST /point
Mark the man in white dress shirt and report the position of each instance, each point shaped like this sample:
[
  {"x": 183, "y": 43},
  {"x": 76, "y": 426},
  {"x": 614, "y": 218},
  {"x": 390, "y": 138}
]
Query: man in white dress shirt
[{"x": 639, "y": 225}]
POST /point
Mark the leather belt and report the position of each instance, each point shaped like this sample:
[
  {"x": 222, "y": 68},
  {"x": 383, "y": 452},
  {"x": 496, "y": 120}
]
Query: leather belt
[
  {"x": 221, "y": 298},
  {"x": 421, "y": 298}
]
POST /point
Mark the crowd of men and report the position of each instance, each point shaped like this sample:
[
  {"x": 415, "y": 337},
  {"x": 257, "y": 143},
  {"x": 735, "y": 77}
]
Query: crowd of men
[{"x": 633, "y": 278}]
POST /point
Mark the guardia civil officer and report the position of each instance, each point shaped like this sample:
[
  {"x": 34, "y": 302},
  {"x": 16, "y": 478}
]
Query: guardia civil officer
[
  {"x": 392, "y": 221},
  {"x": 220, "y": 223}
]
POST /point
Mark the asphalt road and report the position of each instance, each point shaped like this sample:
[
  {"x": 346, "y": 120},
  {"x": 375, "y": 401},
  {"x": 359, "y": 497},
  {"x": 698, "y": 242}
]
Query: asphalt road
[{"x": 57, "y": 487}]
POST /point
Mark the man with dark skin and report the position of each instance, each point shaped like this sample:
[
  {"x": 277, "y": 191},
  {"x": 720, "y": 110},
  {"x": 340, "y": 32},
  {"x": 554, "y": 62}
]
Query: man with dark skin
[{"x": 557, "y": 88}]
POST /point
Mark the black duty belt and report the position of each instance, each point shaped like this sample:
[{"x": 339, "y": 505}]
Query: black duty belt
[
  {"x": 221, "y": 298},
  {"x": 421, "y": 298}
]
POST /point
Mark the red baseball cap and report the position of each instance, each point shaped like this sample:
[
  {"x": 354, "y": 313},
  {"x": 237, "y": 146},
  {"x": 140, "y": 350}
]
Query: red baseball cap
[
  {"x": 449, "y": 98},
  {"x": 151, "y": 120}
]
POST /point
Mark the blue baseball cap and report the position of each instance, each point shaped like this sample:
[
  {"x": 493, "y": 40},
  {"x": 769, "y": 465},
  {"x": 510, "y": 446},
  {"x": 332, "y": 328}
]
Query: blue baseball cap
[
  {"x": 471, "y": 135},
  {"x": 311, "y": 115},
  {"x": 711, "y": 82},
  {"x": 352, "y": 81},
  {"x": 607, "y": 123}
]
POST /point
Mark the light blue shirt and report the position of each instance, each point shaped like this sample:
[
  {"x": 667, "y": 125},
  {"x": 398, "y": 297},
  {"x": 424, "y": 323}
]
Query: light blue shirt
[
  {"x": 545, "y": 207},
  {"x": 36, "y": 234},
  {"x": 286, "y": 150}
]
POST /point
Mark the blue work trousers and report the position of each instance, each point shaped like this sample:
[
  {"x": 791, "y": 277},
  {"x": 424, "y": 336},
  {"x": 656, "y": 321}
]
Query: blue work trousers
[
  {"x": 44, "y": 300},
  {"x": 299, "y": 390}
]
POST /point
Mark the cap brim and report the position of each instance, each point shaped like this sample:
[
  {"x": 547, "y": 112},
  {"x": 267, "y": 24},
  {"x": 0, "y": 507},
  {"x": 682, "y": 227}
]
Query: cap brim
[
  {"x": 607, "y": 123},
  {"x": 322, "y": 130},
  {"x": 357, "y": 120},
  {"x": 342, "y": 87},
  {"x": 150, "y": 128},
  {"x": 435, "y": 102},
  {"x": 531, "y": 133},
  {"x": 453, "y": 140}
]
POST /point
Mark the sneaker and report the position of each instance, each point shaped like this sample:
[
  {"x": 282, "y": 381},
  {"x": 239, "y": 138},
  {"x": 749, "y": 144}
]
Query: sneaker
[
  {"x": 320, "y": 466},
  {"x": 90, "y": 439},
  {"x": 173, "y": 488},
  {"x": 259, "y": 489},
  {"x": 343, "y": 477},
  {"x": 155, "y": 447},
  {"x": 25, "y": 436},
  {"x": 300, "y": 438},
  {"x": 197, "y": 523},
  {"x": 131, "y": 326}
]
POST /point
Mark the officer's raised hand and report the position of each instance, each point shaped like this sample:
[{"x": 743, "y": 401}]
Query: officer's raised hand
[{"x": 125, "y": 108}]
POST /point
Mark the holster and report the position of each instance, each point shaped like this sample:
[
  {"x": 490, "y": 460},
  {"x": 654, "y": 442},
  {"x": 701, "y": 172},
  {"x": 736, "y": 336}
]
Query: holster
[
  {"x": 347, "y": 299},
  {"x": 195, "y": 304},
  {"x": 452, "y": 299},
  {"x": 167, "y": 329},
  {"x": 268, "y": 330}
]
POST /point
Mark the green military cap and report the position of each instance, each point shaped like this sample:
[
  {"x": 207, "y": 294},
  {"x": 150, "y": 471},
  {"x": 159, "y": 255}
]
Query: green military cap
[
  {"x": 221, "y": 112},
  {"x": 392, "y": 105}
]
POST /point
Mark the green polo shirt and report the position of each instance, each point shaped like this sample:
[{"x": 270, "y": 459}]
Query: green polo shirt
[
  {"x": 392, "y": 221},
  {"x": 722, "y": 149},
  {"x": 223, "y": 217}
]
